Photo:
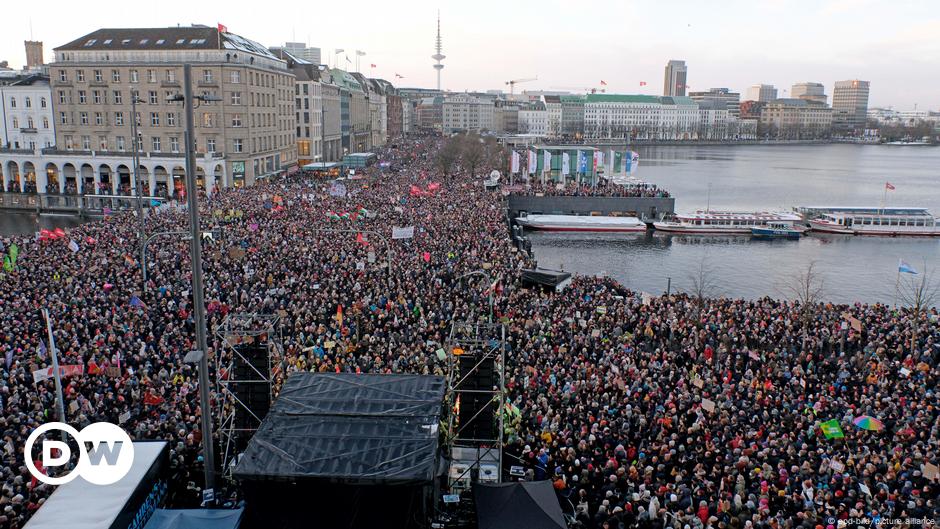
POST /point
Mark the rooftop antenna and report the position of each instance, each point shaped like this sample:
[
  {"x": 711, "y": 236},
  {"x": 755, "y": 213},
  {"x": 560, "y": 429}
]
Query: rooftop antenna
[{"x": 438, "y": 56}]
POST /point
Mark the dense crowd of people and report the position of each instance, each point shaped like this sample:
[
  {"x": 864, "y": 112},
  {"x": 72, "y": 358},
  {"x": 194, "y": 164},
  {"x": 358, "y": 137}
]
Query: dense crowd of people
[
  {"x": 643, "y": 411},
  {"x": 604, "y": 188}
]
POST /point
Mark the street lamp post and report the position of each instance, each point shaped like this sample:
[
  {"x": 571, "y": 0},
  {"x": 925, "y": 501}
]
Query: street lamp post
[
  {"x": 199, "y": 303},
  {"x": 489, "y": 287},
  {"x": 135, "y": 159}
]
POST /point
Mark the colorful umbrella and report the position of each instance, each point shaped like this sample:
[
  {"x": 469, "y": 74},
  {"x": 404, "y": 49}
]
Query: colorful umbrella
[{"x": 867, "y": 422}]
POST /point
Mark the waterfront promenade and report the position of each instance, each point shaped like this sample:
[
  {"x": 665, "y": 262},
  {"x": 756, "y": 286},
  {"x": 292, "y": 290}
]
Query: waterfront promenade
[{"x": 640, "y": 409}]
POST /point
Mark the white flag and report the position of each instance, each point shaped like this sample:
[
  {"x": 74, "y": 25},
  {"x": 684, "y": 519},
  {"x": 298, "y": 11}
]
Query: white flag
[
  {"x": 514, "y": 168},
  {"x": 403, "y": 233},
  {"x": 533, "y": 162},
  {"x": 634, "y": 162},
  {"x": 73, "y": 246},
  {"x": 546, "y": 161},
  {"x": 565, "y": 162}
]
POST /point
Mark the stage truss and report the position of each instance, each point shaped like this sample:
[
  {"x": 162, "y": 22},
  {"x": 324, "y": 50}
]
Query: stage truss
[
  {"x": 234, "y": 330},
  {"x": 484, "y": 342}
]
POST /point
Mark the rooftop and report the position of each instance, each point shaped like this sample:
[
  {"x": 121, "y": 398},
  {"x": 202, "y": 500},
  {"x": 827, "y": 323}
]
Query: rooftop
[{"x": 195, "y": 37}]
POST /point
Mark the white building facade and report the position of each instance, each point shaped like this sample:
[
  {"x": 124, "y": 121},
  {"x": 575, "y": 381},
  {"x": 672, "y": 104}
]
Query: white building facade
[{"x": 28, "y": 119}]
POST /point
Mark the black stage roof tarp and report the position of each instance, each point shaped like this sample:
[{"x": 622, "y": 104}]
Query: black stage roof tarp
[
  {"x": 544, "y": 277},
  {"x": 529, "y": 504},
  {"x": 349, "y": 428}
]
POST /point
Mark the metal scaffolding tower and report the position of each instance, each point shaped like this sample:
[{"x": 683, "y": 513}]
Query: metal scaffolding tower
[
  {"x": 475, "y": 343},
  {"x": 234, "y": 332}
]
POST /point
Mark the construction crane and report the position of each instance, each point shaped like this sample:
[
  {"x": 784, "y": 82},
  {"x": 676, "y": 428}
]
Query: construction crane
[{"x": 512, "y": 84}]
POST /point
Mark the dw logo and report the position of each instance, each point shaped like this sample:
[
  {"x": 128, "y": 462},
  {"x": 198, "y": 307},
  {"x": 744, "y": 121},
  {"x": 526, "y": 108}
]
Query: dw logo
[{"x": 106, "y": 453}]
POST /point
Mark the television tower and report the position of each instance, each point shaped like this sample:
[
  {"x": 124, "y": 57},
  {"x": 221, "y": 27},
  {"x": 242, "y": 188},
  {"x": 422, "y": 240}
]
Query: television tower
[{"x": 438, "y": 56}]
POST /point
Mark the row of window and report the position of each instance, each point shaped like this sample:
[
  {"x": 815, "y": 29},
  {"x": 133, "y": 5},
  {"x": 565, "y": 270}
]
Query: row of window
[
  {"x": 171, "y": 119},
  {"x": 169, "y": 75},
  {"x": 121, "y": 144},
  {"x": 100, "y": 97},
  {"x": 27, "y": 102},
  {"x": 30, "y": 124}
]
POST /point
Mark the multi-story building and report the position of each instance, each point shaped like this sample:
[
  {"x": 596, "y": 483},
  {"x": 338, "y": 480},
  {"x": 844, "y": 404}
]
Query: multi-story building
[
  {"x": 378, "y": 117},
  {"x": 732, "y": 100},
  {"x": 534, "y": 119},
  {"x": 761, "y": 92},
  {"x": 795, "y": 119},
  {"x": 408, "y": 116},
  {"x": 652, "y": 118},
  {"x": 714, "y": 119},
  {"x": 308, "y": 105},
  {"x": 572, "y": 116},
  {"x": 750, "y": 109},
  {"x": 393, "y": 110},
  {"x": 675, "y": 79},
  {"x": 26, "y": 112},
  {"x": 332, "y": 120},
  {"x": 554, "y": 108},
  {"x": 809, "y": 91},
  {"x": 355, "y": 113},
  {"x": 850, "y": 106},
  {"x": 505, "y": 116},
  {"x": 301, "y": 51},
  {"x": 430, "y": 113},
  {"x": 467, "y": 113},
  {"x": 247, "y": 132}
]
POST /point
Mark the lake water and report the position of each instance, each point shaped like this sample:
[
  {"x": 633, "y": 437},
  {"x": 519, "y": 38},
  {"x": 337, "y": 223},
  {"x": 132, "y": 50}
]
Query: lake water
[{"x": 752, "y": 178}]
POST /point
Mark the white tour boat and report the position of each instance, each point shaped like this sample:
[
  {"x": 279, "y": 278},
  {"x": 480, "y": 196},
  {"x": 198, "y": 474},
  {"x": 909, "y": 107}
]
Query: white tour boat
[
  {"x": 582, "y": 223},
  {"x": 728, "y": 222},
  {"x": 874, "y": 221}
]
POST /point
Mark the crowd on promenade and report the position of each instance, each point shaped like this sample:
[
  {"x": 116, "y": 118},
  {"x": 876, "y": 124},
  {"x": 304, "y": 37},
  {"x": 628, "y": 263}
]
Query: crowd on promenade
[
  {"x": 641, "y": 410},
  {"x": 604, "y": 188}
]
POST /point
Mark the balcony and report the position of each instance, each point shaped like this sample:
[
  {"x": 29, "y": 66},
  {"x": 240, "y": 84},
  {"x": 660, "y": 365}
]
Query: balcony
[
  {"x": 28, "y": 130},
  {"x": 170, "y": 84},
  {"x": 210, "y": 82}
]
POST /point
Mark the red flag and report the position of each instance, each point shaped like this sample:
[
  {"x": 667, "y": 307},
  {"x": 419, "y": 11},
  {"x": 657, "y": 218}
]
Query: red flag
[
  {"x": 361, "y": 240},
  {"x": 642, "y": 83},
  {"x": 152, "y": 399},
  {"x": 90, "y": 240},
  {"x": 889, "y": 186},
  {"x": 59, "y": 232},
  {"x": 222, "y": 28},
  {"x": 339, "y": 315},
  {"x": 93, "y": 368},
  {"x": 427, "y": 257},
  {"x": 372, "y": 66},
  {"x": 603, "y": 83}
]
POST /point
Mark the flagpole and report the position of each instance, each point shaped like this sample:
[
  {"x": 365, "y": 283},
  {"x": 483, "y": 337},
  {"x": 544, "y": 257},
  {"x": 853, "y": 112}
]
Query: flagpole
[
  {"x": 60, "y": 404},
  {"x": 884, "y": 198}
]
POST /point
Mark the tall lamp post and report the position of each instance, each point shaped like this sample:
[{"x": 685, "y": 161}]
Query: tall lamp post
[
  {"x": 199, "y": 303},
  {"x": 135, "y": 159}
]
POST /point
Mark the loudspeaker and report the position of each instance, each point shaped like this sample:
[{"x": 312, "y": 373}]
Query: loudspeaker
[{"x": 250, "y": 386}]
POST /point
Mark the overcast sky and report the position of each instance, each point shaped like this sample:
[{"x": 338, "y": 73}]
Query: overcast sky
[{"x": 566, "y": 44}]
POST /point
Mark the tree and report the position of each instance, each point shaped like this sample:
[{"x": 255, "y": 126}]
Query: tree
[
  {"x": 448, "y": 155},
  {"x": 702, "y": 286},
  {"x": 472, "y": 152},
  {"x": 806, "y": 287},
  {"x": 919, "y": 292}
]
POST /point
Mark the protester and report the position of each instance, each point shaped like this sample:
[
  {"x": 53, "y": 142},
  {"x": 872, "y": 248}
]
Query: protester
[{"x": 621, "y": 407}]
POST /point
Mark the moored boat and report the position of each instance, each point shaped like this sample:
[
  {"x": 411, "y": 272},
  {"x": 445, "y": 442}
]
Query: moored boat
[
  {"x": 582, "y": 223},
  {"x": 725, "y": 221},
  {"x": 891, "y": 222},
  {"x": 778, "y": 231}
]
